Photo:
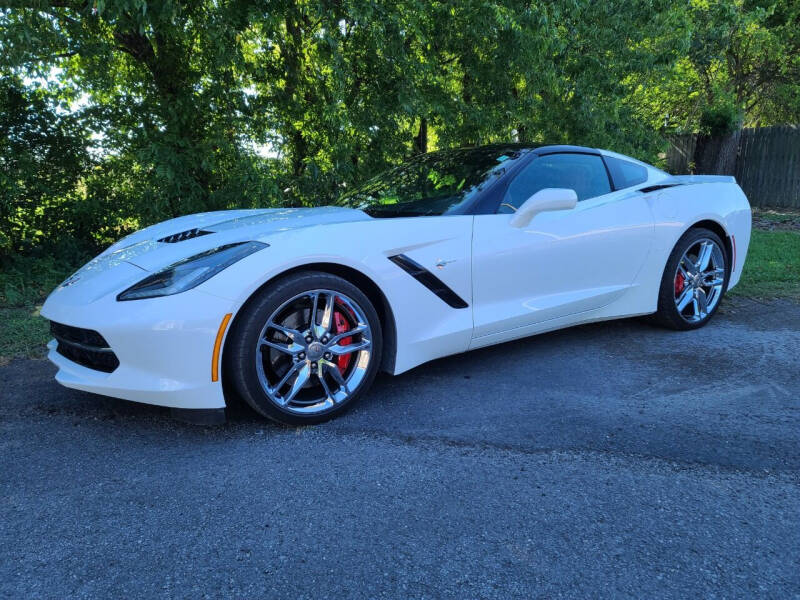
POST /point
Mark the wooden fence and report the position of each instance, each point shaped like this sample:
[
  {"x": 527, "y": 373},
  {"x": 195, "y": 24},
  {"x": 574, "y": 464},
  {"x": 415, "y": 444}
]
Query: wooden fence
[{"x": 765, "y": 161}]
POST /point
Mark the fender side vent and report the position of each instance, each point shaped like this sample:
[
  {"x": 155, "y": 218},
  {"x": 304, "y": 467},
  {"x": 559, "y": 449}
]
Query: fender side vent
[
  {"x": 184, "y": 235},
  {"x": 429, "y": 280},
  {"x": 655, "y": 188}
]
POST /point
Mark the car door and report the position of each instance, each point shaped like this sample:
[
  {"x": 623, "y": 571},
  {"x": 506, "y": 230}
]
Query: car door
[{"x": 564, "y": 262}]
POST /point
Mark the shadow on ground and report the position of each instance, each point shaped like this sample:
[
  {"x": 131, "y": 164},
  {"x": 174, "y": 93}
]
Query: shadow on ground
[{"x": 725, "y": 395}]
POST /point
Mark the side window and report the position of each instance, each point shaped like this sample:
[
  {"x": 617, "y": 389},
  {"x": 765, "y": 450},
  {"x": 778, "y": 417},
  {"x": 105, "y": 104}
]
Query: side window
[
  {"x": 584, "y": 173},
  {"x": 624, "y": 173}
]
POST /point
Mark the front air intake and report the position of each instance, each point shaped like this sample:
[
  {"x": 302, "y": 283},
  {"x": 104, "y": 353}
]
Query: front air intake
[
  {"x": 84, "y": 346},
  {"x": 184, "y": 235}
]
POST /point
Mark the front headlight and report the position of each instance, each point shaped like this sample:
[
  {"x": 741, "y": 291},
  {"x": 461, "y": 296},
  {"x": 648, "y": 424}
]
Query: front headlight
[{"x": 190, "y": 272}]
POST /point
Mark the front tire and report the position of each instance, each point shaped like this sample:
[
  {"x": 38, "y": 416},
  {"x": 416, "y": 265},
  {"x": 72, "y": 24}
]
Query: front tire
[
  {"x": 694, "y": 281},
  {"x": 304, "y": 348}
]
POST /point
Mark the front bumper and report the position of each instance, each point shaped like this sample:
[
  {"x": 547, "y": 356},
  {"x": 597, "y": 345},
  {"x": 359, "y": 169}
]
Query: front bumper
[{"x": 164, "y": 345}]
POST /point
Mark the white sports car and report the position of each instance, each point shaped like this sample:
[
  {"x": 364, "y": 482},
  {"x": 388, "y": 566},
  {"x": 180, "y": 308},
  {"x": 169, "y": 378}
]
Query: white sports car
[{"x": 295, "y": 310}]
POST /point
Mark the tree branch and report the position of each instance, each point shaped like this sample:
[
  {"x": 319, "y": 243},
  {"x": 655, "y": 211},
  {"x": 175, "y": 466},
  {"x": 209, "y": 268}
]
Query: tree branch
[
  {"x": 137, "y": 45},
  {"x": 51, "y": 57}
]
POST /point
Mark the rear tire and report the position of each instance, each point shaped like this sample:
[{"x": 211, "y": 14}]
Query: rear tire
[
  {"x": 694, "y": 281},
  {"x": 288, "y": 355}
]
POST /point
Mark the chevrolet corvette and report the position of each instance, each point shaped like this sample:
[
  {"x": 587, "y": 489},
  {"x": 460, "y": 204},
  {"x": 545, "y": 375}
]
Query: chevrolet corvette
[{"x": 295, "y": 310}]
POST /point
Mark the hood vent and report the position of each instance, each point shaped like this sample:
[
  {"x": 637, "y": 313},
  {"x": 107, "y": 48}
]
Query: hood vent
[{"x": 184, "y": 235}]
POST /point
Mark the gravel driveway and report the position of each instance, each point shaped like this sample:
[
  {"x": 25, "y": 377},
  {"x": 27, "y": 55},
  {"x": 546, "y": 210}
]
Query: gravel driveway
[{"x": 611, "y": 459}]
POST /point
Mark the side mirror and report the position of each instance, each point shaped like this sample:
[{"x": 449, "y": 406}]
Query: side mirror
[{"x": 541, "y": 201}]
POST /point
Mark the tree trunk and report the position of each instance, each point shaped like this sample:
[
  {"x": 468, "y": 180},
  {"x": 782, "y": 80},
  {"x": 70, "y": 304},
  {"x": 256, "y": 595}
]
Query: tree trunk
[
  {"x": 421, "y": 139},
  {"x": 716, "y": 155},
  {"x": 291, "y": 48}
]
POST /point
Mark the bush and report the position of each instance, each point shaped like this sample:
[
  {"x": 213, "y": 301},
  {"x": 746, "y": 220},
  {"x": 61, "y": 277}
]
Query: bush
[
  {"x": 721, "y": 119},
  {"x": 27, "y": 280}
]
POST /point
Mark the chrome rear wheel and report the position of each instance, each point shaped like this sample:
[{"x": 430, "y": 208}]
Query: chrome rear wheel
[
  {"x": 694, "y": 280},
  {"x": 699, "y": 280}
]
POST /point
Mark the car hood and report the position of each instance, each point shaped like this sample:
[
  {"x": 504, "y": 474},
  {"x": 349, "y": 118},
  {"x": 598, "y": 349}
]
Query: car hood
[{"x": 160, "y": 245}]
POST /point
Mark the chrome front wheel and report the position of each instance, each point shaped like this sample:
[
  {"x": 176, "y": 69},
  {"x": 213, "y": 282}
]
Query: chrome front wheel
[
  {"x": 313, "y": 351},
  {"x": 304, "y": 348}
]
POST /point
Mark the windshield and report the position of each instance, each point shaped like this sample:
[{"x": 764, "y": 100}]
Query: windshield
[{"x": 432, "y": 184}]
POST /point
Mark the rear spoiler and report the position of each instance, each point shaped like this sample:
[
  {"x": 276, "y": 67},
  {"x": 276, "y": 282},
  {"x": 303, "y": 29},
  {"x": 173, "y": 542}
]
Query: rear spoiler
[
  {"x": 674, "y": 180},
  {"x": 691, "y": 179}
]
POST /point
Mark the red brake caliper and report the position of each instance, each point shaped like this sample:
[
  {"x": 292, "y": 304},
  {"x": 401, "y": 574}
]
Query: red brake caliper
[
  {"x": 680, "y": 283},
  {"x": 340, "y": 323}
]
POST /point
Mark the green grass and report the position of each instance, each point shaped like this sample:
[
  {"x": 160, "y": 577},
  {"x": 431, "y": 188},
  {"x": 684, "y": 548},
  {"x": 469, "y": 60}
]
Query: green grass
[
  {"x": 772, "y": 270},
  {"x": 24, "y": 333},
  {"x": 24, "y": 284}
]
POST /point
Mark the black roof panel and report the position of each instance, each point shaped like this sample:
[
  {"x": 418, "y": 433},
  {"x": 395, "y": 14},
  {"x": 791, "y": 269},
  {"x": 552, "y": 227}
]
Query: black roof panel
[
  {"x": 565, "y": 148},
  {"x": 546, "y": 149}
]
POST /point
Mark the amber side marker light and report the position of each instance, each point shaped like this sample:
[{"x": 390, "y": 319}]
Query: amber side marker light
[{"x": 217, "y": 345}]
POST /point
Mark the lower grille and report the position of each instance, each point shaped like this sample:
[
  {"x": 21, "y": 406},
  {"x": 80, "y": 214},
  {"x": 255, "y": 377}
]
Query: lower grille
[{"x": 84, "y": 346}]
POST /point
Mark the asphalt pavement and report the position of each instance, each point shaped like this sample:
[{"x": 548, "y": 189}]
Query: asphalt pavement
[{"x": 609, "y": 460}]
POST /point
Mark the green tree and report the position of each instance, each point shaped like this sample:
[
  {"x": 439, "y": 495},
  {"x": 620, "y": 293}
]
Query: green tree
[
  {"x": 42, "y": 158},
  {"x": 163, "y": 83},
  {"x": 742, "y": 67},
  {"x": 200, "y": 105}
]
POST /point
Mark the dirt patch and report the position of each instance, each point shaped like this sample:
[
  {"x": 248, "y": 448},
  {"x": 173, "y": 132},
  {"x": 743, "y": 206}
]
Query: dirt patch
[{"x": 783, "y": 219}]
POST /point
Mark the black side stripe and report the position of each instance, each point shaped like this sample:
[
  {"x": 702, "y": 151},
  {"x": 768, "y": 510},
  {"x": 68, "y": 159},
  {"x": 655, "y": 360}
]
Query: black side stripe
[{"x": 429, "y": 280}]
